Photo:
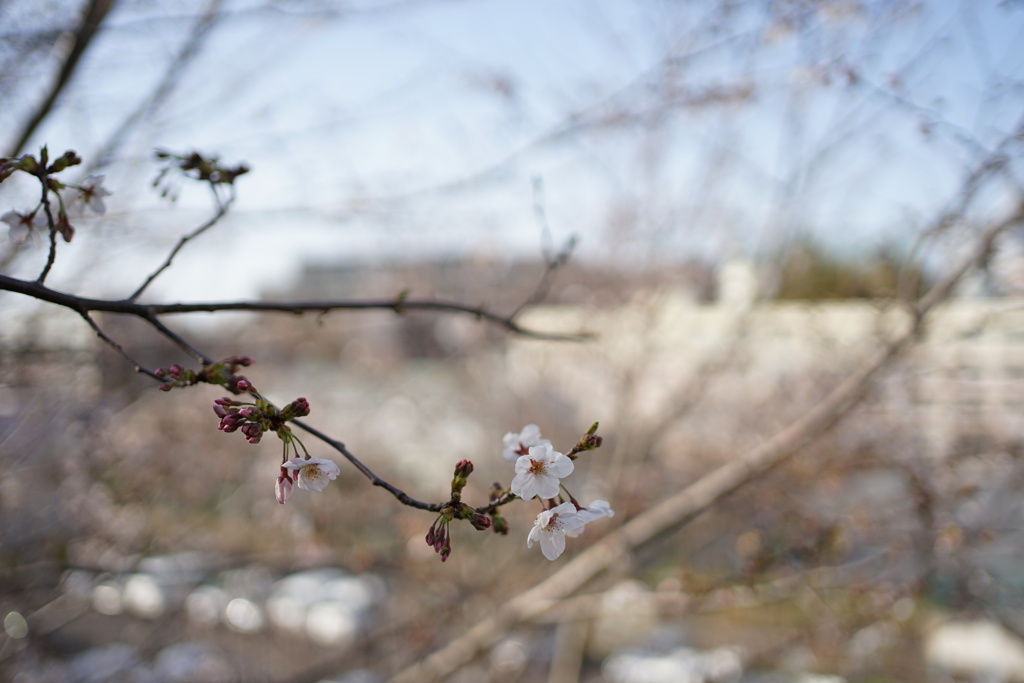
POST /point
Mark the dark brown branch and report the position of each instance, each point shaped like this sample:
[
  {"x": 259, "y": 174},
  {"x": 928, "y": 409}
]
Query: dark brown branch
[
  {"x": 80, "y": 304},
  {"x": 398, "y": 493}
]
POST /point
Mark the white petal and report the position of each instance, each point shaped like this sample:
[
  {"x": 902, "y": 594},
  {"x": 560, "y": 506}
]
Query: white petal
[
  {"x": 523, "y": 486},
  {"x": 295, "y": 464},
  {"x": 534, "y": 536},
  {"x": 565, "y": 511},
  {"x": 552, "y": 544},
  {"x": 544, "y": 485},
  {"x": 560, "y": 466},
  {"x": 597, "y": 510},
  {"x": 542, "y": 452},
  {"x": 523, "y": 464}
]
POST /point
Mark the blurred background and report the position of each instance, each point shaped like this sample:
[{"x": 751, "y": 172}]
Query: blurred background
[{"x": 754, "y": 190}]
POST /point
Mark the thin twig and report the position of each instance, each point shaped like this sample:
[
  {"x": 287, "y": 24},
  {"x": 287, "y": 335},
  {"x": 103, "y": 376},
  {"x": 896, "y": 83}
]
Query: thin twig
[
  {"x": 552, "y": 260},
  {"x": 117, "y": 347},
  {"x": 222, "y": 209},
  {"x": 51, "y": 256},
  {"x": 398, "y": 493}
]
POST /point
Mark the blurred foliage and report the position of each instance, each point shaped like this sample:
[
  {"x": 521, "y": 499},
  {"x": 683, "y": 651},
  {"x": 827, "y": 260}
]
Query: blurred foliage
[{"x": 811, "y": 271}]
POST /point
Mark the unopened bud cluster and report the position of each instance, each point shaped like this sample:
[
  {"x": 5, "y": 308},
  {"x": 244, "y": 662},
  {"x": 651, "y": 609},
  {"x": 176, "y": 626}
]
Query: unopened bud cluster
[
  {"x": 176, "y": 376},
  {"x": 439, "y": 536},
  {"x": 221, "y": 373},
  {"x": 253, "y": 419},
  {"x": 59, "y": 198},
  {"x": 196, "y": 166},
  {"x": 256, "y": 418}
]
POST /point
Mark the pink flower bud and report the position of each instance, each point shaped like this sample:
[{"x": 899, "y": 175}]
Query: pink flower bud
[
  {"x": 231, "y": 422},
  {"x": 440, "y": 538},
  {"x": 299, "y": 407},
  {"x": 252, "y": 431},
  {"x": 283, "y": 488},
  {"x": 480, "y": 521}
]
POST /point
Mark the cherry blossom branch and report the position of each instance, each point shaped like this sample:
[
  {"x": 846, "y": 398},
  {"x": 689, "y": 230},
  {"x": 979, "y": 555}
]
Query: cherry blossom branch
[
  {"x": 538, "y": 467},
  {"x": 258, "y": 416},
  {"x": 150, "y": 312}
]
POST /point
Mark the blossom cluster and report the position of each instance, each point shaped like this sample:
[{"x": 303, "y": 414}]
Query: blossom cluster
[
  {"x": 221, "y": 373},
  {"x": 539, "y": 471},
  {"x": 439, "y": 536},
  {"x": 59, "y": 200},
  {"x": 254, "y": 419}
]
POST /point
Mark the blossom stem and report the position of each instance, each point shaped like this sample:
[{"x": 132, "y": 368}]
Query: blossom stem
[
  {"x": 571, "y": 499},
  {"x": 52, "y": 225},
  {"x": 305, "y": 451}
]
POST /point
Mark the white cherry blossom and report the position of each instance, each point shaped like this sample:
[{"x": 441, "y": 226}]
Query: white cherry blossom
[
  {"x": 313, "y": 474},
  {"x": 538, "y": 473},
  {"x": 517, "y": 445},
  {"x": 551, "y": 528},
  {"x": 90, "y": 193},
  {"x": 24, "y": 226}
]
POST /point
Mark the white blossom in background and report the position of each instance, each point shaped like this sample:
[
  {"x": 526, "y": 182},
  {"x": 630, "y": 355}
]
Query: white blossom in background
[
  {"x": 90, "y": 194},
  {"x": 517, "y": 445},
  {"x": 538, "y": 473},
  {"x": 594, "y": 511},
  {"x": 313, "y": 474},
  {"x": 551, "y": 527},
  {"x": 24, "y": 226}
]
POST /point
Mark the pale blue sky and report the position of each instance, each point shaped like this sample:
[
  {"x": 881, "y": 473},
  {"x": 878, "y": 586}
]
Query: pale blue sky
[{"x": 419, "y": 129}]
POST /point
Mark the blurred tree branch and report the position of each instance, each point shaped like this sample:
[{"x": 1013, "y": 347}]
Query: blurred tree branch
[{"x": 92, "y": 17}]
